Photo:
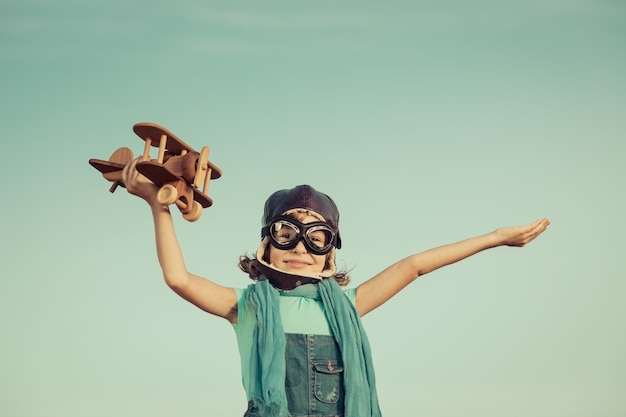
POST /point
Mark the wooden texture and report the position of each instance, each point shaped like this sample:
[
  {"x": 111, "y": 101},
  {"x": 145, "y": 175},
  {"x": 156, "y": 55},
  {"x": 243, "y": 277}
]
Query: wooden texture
[{"x": 178, "y": 170}]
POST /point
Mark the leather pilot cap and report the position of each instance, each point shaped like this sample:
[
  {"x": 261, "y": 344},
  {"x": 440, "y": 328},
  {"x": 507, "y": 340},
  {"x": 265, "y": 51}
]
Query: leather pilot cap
[{"x": 303, "y": 197}]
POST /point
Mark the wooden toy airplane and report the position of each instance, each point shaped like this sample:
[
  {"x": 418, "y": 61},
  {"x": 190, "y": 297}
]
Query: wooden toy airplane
[{"x": 178, "y": 170}]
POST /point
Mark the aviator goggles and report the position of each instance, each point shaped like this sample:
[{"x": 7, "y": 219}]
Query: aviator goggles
[{"x": 285, "y": 232}]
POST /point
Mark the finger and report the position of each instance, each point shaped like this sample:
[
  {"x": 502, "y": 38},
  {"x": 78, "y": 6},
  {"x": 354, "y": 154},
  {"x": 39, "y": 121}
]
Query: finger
[
  {"x": 130, "y": 173},
  {"x": 540, "y": 224},
  {"x": 128, "y": 168},
  {"x": 536, "y": 229}
]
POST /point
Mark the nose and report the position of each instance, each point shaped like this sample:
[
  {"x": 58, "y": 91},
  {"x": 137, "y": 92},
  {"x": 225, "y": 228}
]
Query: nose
[{"x": 300, "y": 248}]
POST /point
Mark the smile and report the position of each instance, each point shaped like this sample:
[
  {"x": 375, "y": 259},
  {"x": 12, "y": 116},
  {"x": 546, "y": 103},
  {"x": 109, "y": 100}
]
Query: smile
[{"x": 297, "y": 264}]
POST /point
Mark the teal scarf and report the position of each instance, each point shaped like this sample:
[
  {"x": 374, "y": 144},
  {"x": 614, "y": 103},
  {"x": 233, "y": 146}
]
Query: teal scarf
[{"x": 267, "y": 361}]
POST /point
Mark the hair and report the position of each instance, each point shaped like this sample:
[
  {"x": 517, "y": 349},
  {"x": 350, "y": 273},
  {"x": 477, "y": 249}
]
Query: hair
[{"x": 250, "y": 265}]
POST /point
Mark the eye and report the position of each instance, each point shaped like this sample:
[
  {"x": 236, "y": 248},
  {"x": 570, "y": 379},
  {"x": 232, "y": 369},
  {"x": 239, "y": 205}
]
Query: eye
[
  {"x": 283, "y": 233},
  {"x": 319, "y": 238}
]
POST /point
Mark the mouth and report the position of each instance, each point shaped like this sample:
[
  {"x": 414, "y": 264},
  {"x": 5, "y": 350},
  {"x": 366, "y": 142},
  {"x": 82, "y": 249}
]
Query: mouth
[{"x": 297, "y": 264}]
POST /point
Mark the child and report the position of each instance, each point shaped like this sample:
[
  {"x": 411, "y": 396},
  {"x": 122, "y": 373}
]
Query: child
[{"x": 302, "y": 346}]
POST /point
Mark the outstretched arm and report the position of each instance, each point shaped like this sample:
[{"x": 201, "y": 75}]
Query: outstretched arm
[
  {"x": 379, "y": 289},
  {"x": 207, "y": 295}
]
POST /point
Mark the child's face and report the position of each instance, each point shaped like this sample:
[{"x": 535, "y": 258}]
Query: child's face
[{"x": 298, "y": 260}]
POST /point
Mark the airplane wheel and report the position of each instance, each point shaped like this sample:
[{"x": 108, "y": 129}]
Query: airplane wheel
[
  {"x": 195, "y": 213},
  {"x": 167, "y": 194}
]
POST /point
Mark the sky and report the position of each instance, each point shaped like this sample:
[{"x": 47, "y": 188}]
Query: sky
[{"x": 427, "y": 122}]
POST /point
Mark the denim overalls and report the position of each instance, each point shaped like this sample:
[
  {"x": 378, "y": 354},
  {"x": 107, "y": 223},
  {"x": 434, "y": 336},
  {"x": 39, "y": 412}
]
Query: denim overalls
[{"x": 314, "y": 377}]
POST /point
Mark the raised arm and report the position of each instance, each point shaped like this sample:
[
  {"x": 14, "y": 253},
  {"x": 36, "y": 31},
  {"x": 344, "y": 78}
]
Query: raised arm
[
  {"x": 207, "y": 295},
  {"x": 379, "y": 289}
]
